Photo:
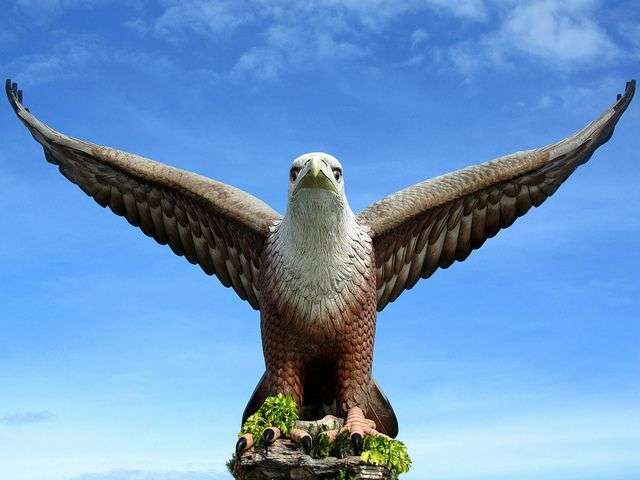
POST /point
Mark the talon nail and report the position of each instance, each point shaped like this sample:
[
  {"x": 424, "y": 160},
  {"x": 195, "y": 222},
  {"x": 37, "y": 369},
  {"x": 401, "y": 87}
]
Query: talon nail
[
  {"x": 306, "y": 444},
  {"x": 241, "y": 444},
  {"x": 268, "y": 436},
  {"x": 356, "y": 442}
]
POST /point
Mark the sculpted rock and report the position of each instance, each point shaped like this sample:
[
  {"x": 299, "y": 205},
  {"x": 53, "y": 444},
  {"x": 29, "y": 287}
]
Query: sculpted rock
[{"x": 284, "y": 460}]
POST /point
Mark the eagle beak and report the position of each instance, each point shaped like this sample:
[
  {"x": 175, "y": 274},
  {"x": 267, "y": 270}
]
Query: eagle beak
[
  {"x": 316, "y": 177},
  {"x": 316, "y": 167}
]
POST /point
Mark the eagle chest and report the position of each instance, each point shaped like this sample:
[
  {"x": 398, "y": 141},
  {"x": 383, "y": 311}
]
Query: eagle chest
[{"x": 319, "y": 287}]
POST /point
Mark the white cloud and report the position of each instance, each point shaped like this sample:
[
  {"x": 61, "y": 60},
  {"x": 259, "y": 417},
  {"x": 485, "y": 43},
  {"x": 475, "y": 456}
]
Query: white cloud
[
  {"x": 630, "y": 31},
  {"x": 470, "y": 9},
  {"x": 562, "y": 34},
  {"x": 152, "y": 475},
  {"x": 81, "y": 56},
  {"x": 44, "y": 11},
  {"x": 461, "y": 57},
  {"x": 418, "y": 37},
  {"x": 24, "y": 418},
  {"x": 376, "y": 12},
  {"x": 298, "y": 34},
  {"x": 545, "y": 102},
  {"x": 202, "y": 17},
  {"x": 44, "y": 5},
  {"x": 315, "y": 34},
  {"x": 289, "y": 47},
  {"x": 587, "y": 97},
  {"x": 69, "y": 58},
  {"x": 559, "y": 33}
]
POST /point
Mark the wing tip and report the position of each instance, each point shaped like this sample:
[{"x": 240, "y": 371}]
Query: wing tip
[
  {"x": 631, "y": 86},
  {"x": 14, "y": 94},
  {"x": 624, "y": 99}
]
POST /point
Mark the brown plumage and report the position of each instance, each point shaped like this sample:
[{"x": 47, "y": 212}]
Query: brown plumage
[{"x": 319, "y": 273}]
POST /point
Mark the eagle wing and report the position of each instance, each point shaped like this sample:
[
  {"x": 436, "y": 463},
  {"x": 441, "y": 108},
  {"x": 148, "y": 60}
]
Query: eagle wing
[
  {"x": 214, "y": 225},
  {"x": 436, "y": 222}
]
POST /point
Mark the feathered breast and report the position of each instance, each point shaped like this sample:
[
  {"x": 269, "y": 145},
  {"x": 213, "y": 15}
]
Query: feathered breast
[{"x": 318, "y": 276}]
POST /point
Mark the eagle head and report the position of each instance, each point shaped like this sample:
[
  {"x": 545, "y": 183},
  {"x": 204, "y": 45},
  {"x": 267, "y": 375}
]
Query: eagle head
[
  {"x": 315, "y": 180},
  {"x": 317, "y": 208}
]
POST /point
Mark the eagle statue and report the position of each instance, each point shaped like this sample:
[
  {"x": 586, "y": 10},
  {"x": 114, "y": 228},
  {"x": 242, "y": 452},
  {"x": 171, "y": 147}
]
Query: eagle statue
[{"x": 320, "y": 273}]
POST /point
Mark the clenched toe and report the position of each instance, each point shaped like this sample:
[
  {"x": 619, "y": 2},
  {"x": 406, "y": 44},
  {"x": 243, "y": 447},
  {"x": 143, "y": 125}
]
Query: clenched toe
[{"x": 359, "y": 427}]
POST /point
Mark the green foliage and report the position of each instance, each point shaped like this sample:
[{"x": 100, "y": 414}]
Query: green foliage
[
  {"x": 342, "y": 446},
  {"x": 392, "y": 454},
  {"x": 321, "y": 446},
  {"x": 278, "y": 411},
  {"x": 339, "y": 448}
]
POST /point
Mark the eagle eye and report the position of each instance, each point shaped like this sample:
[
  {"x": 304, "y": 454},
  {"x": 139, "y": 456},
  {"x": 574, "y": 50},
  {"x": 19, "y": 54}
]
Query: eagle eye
[
  {"x": 293, "y": 174},
  {"x": 337, "y": 174}
]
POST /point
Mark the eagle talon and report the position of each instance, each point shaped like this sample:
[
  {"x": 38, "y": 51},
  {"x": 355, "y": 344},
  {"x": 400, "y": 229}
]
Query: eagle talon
[
  {"x": 303, "y": 438},
  {"x": 245, "y": 442},
  {"x": 270, "y": 435},
  {"x": 306, "y": 444},
  {"x": 356, "y": 443},
  {"x": 241, "y": 444},
  {"x": 359, "y": 427}
]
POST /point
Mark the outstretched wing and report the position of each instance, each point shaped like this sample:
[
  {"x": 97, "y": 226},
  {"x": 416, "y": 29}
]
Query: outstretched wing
[
  {"x": 214, "y": 225},
  {"x": 434, "y": 223}
]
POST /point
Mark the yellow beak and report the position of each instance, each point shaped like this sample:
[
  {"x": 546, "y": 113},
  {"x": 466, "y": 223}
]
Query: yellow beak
[
  {"x": 315, "y": 167},
  {"x": 316, "y": 177}
]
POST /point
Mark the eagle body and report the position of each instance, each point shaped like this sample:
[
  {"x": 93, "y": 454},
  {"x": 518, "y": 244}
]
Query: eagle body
[
  {"x": 318, "y": 304},
  {"x": 319, "y": 273}
]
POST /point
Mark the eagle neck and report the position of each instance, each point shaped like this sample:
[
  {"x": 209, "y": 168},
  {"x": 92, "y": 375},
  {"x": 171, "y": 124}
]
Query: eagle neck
[
  {"x": 319, "y": 253},
  {"x": 318, "y": 231}
]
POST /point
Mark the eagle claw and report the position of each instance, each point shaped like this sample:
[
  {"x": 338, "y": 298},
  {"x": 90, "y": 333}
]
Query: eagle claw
[
  {"x": 241, "y": 444},
  {"x": 306, "y": 444},
  {"x": 270, "y": 435},
  {"x": 359, "y": 427},
  {"x": 245, "y": 442},
  {"x": 356, "y": 443}
]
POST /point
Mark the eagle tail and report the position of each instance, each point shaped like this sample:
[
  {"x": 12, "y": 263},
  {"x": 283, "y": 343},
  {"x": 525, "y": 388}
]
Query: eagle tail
[
  {"x": 259, "y": 395},
  {"x": 380, "y": 411},
  {"x": 377, "y": 409}
]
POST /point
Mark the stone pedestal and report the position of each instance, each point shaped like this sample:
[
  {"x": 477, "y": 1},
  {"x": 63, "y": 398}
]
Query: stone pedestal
[{"x": 284, "y": 460}]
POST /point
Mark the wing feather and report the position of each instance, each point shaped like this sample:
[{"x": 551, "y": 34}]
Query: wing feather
[
  {"x": 434, "y": 223},
  {"x": 214, "y": 225}
]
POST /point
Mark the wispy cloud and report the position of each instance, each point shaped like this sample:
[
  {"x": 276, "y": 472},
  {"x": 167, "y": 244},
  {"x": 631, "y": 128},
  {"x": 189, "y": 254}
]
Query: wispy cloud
[
  {"x": 70, "y": 57},
  {"x": 201, "y": 17},
  {"x": 152, "y": 475},
  {"x": 300, "y": 35},
  {"x": 630, "y": 32},
  {"x": 290, "y": 47},
  {"x": 81, "y": 56},
  {"x": 24, "y": 418},
  {"x": 289, "y": 37},
  {"x": 584, "y": 97},
  {"x": 46, "y": 11},
  {"x": 418, "y": 37},
  {"x": 560, "y": 34}
]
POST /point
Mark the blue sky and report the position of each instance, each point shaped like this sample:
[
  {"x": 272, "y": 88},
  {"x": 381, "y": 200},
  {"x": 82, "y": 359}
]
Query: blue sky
[{"x": 120, "y": 361}]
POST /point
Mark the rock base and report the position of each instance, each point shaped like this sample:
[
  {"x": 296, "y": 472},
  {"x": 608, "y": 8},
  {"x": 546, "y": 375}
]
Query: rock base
[{"x": 284, "y": 460}]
